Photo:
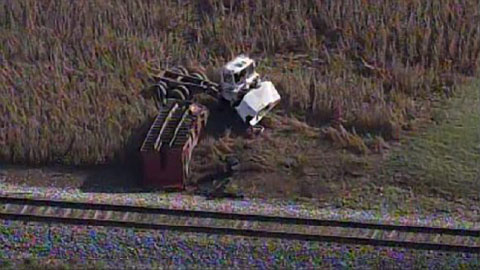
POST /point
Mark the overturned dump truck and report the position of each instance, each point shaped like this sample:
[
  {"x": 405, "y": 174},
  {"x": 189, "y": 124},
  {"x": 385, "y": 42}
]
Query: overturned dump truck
[
  {"x": 240, "y": 87},
  {"x": 168, "y": 146}
]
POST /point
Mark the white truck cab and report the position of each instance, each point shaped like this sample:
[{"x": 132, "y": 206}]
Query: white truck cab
[
  {"x": 242, "y": 87},
  {"x": 238, "y": 75}
]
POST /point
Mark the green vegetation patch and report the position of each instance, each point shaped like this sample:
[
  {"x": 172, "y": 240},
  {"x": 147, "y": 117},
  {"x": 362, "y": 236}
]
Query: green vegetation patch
[{"x": 445, "y": 159}]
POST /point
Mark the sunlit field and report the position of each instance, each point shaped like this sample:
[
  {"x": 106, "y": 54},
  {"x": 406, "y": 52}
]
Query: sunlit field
[{"x": 71, "y": 72}]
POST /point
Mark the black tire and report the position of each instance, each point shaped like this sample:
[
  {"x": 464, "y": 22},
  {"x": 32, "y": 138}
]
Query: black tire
[
  {"x": 164, "y": 91},
  {"x": 184, "y": 70},
  {"x": 199, "y": 75},
  {"x": 160, "y": 94},
  {"x": 161, "y": 88},
  {"x": 164, "y": 84},
  {"x": 185, "y": 91},
  {"x": 176, "y": 94}
]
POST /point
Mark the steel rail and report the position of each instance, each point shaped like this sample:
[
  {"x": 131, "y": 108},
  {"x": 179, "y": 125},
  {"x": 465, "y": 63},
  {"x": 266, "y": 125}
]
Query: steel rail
[
  {"x": 238, "y": 216},
  {"x": 244, "y": 217}
]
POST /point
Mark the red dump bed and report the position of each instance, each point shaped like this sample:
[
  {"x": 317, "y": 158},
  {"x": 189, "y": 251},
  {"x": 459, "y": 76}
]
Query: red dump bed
[{"x": 168, "y": 146}]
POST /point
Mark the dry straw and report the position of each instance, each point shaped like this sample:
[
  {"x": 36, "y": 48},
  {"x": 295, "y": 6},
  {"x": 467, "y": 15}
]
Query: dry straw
[{"x": 71, "y": 72}]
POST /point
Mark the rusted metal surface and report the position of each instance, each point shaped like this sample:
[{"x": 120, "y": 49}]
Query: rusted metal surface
[{"x": 168, "y": 146}]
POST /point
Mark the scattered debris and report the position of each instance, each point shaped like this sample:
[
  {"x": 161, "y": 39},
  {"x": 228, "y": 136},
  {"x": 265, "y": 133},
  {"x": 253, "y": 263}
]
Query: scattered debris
[
  {"x": 290, "y": 162},
  {"x": 167, "y": 149},
  {"x": 233, "y": 163},
  {"x": 214, "y": 186}
]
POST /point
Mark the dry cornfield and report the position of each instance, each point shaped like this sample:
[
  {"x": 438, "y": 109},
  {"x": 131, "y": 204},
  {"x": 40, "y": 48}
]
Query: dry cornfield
[{"x": 71, "y": 72}]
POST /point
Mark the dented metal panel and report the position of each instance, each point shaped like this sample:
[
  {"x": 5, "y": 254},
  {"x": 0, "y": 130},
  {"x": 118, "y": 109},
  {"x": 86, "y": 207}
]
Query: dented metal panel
[{"x": 257, "y": 102}]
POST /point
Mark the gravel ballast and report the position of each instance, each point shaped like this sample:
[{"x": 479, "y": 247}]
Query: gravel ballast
[
  {"x": 114, "y": 248},
  {"x": 247, "y": 205},
  {"x": 117, "y": 248}
]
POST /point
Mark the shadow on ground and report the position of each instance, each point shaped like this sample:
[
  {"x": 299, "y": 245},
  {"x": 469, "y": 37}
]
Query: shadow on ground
[
  {"x": 125, "y": 177},
  {"x": 222, "y": 118},
  {"x": 118, "y": 179},
  {"x": 112, "y": 180},
  {"x": 125, "y": 174}
]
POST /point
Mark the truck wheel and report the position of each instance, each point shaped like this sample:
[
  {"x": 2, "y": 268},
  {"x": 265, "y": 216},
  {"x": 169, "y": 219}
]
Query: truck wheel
[
  {"x": 184, "y": 70},
  {"x": 199, "y": 75},
  {"x": 160, "y": 93},
  {"x": 162, "y": 89},
  {"x": 163, "y": 84},
  {"x": 185, "y": 91},
  {"x": 177, "y": 94}
]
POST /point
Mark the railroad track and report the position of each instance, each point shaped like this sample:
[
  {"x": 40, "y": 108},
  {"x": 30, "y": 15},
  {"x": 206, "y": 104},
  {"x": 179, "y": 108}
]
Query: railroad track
[{"x": 345, "y": 232}]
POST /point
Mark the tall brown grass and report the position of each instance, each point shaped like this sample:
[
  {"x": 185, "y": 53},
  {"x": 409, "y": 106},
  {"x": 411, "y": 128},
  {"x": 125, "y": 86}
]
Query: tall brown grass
[{"x": 71, "y": 71}]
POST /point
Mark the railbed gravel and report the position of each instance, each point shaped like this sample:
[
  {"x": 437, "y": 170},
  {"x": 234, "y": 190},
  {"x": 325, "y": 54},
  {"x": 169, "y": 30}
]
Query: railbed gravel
[
  {"x": 118, "y": 248},
  {"x": 247, "y": 205},
  {"x": 144, "y": 249}
]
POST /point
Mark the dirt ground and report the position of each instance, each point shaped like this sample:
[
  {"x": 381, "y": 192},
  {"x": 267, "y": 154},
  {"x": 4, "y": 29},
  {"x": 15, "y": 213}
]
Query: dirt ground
[{"x": 434, "y": 168}]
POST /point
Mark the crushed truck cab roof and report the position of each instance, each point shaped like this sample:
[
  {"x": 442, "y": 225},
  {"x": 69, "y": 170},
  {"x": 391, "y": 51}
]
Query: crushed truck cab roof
[{"x": 238, "y": 64}]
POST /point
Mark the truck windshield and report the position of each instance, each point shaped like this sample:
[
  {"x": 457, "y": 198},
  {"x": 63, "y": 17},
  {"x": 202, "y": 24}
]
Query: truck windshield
[
  {"x": 227, "y": 77},
  {"x": 250, "y": 69},
  {"x": 240, "y": 76}
]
